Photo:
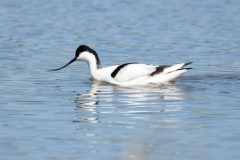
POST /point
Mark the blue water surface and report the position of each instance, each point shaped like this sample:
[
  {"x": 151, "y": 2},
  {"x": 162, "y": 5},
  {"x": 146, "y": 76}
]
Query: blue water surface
[{"x": 65, "y": 116}]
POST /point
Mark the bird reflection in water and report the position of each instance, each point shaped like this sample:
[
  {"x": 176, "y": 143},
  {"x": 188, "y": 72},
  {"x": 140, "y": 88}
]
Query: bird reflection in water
[
  {"x": 137, "y": 101},
  {"x": 128, "y": 117}
]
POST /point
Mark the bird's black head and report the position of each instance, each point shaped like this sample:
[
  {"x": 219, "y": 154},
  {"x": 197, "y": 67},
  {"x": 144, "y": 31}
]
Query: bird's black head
[{"x": 83, "y": 48}]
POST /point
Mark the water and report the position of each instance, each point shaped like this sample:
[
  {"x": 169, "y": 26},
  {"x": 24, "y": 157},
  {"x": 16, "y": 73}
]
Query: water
[{"x": 64, "y": 115}]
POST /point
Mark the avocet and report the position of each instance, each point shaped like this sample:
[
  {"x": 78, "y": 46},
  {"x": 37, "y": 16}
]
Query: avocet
[{"x": 127, "y": 74}]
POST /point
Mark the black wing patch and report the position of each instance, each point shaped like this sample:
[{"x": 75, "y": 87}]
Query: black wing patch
[
  {"x": 159, "y": 69},
  {"x": 115, "y": 72}
]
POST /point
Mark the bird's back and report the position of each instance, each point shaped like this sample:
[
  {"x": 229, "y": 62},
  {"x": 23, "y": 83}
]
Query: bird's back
[{"x": 136, "y": 73}]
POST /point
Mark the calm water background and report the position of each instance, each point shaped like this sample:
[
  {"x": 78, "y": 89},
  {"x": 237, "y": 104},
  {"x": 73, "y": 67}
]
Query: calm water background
[{"x": 65, "y": 116}]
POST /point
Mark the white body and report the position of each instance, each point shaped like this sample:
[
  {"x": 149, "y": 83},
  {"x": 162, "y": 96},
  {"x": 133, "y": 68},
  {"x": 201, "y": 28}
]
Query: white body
[{"x": 131, "y": 74}]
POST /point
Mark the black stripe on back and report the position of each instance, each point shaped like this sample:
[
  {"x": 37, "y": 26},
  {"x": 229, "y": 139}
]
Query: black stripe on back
[
  {"x": 115, "y": 72},
  {"x": 159, "y": 69}
]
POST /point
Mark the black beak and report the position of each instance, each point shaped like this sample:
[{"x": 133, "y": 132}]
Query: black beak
[{"x": 74, "y": 59}]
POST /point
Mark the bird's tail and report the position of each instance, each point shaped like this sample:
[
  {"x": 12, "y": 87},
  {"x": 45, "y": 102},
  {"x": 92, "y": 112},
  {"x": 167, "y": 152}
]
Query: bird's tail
[
  {"x": 170, "y": 73},
  {"x": 177, "y": 67}
]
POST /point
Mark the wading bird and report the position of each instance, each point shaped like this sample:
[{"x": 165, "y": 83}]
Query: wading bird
[{"x": 127, "y": 74}]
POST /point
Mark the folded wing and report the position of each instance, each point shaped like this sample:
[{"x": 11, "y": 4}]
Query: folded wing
[{"x": 130, "y": 71}]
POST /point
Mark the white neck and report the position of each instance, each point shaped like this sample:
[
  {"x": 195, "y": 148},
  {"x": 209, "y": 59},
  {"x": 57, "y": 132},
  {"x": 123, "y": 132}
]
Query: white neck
[
  {"x": 92, "y": 62},
  {"x": 93, "y": 67}
]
